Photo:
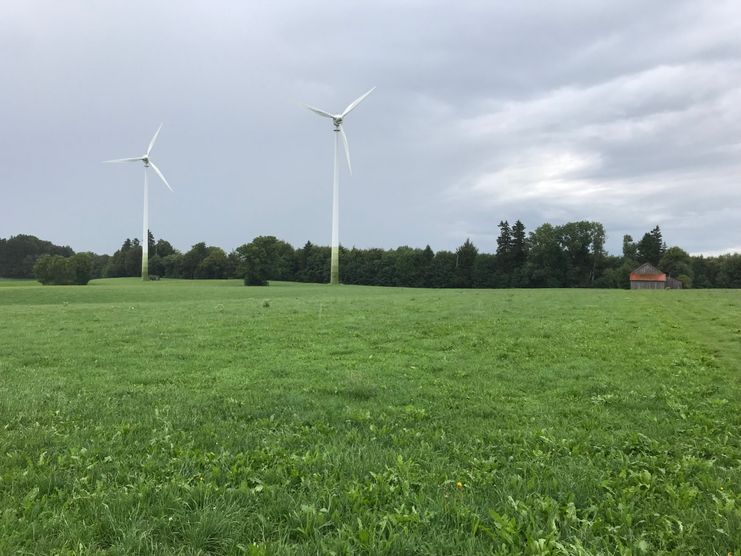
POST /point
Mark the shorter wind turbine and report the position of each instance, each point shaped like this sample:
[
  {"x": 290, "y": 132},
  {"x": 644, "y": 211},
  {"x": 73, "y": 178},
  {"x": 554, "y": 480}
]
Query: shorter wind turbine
[
  {"x": 145, "y": 233},
  {"x": 334, "y": 269}
]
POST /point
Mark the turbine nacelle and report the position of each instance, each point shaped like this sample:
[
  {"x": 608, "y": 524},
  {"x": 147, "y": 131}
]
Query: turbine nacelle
[
  {"x": 146, "y": 160},
  {"x": 337, "y": 120}
]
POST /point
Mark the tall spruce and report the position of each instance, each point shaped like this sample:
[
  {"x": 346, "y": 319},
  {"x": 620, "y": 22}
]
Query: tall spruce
[
  {"x": 503, "y": 256},
  {"x": 504, "y": 242},
  {"x": 518, "y": 257},
  {"x": 651, "y": 247},
  {"x": 465, "y": 258},
  {"x": 519, "y": 244}
]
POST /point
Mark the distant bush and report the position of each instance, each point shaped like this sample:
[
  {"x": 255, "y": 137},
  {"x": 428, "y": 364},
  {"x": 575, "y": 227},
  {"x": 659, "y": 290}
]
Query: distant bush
[
  {"x": 254, "y": 278},
  {"x": 64, "y": 271}
]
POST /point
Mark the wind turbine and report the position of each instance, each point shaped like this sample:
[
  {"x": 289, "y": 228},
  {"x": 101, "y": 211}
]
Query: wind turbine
[
  {"x": 145, "y": 233},
  {"x": 337, "y": 119}
]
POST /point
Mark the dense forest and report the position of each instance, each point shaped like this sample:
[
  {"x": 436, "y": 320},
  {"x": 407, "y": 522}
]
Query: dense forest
[{"x": 564, "y": 256}]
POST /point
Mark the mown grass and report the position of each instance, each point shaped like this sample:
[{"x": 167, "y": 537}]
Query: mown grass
[{"x": 206, "y": 417}]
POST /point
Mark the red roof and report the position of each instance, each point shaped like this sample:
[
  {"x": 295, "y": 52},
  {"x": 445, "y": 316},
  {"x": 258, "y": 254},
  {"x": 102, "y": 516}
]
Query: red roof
[
  {"x": 647, "y": 273},
  {"x": 647, "y": 277}
]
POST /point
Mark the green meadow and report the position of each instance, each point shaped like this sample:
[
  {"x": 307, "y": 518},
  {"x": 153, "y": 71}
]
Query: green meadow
[{"x": 197, "y": 417}]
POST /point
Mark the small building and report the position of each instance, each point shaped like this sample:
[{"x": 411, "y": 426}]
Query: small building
[
  {"x": 647, "y": 277},
  {"x": 673, "y": 283}
]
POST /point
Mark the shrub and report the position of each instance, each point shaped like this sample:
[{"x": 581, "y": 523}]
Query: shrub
[
  {"x": 63, "y": 271},
  {"x": 253, "y": 277},
  {"x": 686, "y": 281}
]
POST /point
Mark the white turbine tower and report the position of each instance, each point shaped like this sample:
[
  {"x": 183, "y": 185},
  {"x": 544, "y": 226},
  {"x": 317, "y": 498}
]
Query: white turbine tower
[
  {"x": 145, "y": 233},
  {"x": 334, "y": 275}
]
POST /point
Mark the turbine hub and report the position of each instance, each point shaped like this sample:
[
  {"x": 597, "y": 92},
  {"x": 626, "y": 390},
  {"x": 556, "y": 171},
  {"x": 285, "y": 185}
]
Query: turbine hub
[{"x": 337, "y": 121}]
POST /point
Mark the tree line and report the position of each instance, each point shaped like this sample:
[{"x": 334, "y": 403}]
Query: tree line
[{"x": 551, "y": 256}]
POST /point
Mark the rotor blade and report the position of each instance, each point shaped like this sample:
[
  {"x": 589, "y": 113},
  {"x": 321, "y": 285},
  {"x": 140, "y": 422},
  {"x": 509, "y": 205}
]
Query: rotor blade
[
  {"x": 124, "y": 160},
  {"x": 161, "y": 176},
  {"x": 320, "y": 112},
  {"x": 347, "y": 149},
  {"x": 151, "y": 143},
  {"x": 354, "y": 103}
]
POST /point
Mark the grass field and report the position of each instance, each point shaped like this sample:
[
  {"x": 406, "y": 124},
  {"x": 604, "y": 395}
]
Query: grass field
[{"x": 207, "y": 417}]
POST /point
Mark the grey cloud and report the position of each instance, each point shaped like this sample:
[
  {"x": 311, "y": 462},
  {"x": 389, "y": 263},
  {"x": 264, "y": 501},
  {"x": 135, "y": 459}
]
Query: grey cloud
[{"x": 625, "y": 112}]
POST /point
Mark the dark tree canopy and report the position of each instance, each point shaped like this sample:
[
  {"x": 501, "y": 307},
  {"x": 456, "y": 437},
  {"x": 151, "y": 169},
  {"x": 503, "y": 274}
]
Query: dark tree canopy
[
  {"x": 564, "y": 256},
  {"x": 519, "y": 245},
  {"x": 630, "y": 249},
  {"x": 651, "y": 247},
  {"x": 192, "y": 259},
  {"x": 465, "y": 259},
  {"x": 266, "y": 258},
  {"x": 215, "y": 264},
  {"x": 676, "y": 262},
  {"x": 18, "y": 254}
]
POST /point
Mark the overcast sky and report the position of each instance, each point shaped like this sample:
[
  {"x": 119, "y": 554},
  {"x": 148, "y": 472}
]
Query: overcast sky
[{"x": 625, "y": 112}]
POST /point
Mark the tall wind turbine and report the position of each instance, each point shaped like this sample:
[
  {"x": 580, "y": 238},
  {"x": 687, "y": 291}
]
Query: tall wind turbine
[
  {"x": 145, "y": 233},
  {"x": 334, "y": 274}
]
